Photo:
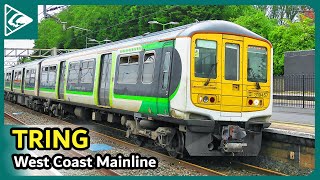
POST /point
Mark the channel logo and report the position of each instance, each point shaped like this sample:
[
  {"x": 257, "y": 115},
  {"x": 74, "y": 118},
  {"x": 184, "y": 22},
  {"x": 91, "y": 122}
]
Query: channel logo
[{"x": 14, "y": 20}]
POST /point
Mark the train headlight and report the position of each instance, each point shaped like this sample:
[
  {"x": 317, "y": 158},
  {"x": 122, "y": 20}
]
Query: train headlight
[
  {"x": 256, "y": 102},
  {"x": 205, "y": 99}
]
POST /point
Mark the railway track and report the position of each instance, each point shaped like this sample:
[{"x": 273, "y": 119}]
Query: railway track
[
  {"x": 258, "y": 170},
  {"x": 240, "y": 165},
  {"x": 255, "y": 170}
]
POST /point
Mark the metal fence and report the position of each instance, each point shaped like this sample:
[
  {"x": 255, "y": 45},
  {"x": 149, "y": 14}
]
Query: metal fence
[{"x": 294, "y": 91}]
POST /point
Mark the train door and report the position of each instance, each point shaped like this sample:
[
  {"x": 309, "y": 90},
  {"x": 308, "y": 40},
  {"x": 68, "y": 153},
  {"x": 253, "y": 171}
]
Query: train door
[
  {"x": 61, "y": 79},
  {"x": 232, "y": 80},
  {"x": 22, "y": 80},
  {"x": 104, "y": 86},
  {"x": 163, "y": 103},
  {"x": 11, "y": 81}
]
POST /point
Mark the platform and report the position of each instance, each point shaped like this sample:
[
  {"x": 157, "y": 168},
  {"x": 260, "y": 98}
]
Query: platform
[{"x": 293, "y": 115}]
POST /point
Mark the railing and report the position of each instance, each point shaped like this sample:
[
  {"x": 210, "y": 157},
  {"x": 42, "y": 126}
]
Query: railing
[{"x": 294, "y": 90}]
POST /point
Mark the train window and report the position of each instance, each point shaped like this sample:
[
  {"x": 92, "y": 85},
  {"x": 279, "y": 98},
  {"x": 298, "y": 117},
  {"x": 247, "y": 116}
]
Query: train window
[
  {"x": 134, "y": 59},
  {"x": 87, "y": 72},
  {"x": 8, "y": 77},
  {"x": 52, "y": 76},
  {"x": 74, "y": 71},
  {"x": 232, "y": 61},
  {"x": 257, "y": 64},
  {"x": 19, "y": 75},
  {"x": 124, "y": 60},
  {"x": 44, "y": 77},
  {"x": 27, "y": 76},
  {"x": 30, "y": 78},
  {"x": 15, "y": 75},
  {"x": 128, "y": 69},
  {"x": 206, "y": 59},
  {"x": 148, "y": 67},
  {"x": 166, "y": 70}
]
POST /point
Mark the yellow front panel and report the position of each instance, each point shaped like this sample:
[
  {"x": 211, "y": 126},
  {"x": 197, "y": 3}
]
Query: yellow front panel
[{"x": 230, "y": 94}]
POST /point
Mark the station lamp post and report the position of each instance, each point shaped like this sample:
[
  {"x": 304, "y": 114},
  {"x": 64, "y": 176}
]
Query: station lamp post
[
  {"x": 163, "y": 24},
  {"x": 95, "y": 42},
  {"x": 88, "y": 40}
]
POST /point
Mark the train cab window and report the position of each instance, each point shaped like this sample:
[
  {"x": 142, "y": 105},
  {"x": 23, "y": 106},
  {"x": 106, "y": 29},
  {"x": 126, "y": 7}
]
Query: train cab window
[
  {"x": 206, "y": 59},
  {"x": 232, "y": 62},
  {"x": 128, "y": 69},
  {"x": 148, "y": 67},
  {"x": 257, "y": 64}
]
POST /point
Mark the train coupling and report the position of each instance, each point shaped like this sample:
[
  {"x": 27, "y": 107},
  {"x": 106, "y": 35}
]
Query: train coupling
[{"x": 233, "y": 139}]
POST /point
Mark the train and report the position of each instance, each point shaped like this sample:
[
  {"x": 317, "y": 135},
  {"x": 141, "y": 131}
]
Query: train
[{"x": 201, "y": 89}]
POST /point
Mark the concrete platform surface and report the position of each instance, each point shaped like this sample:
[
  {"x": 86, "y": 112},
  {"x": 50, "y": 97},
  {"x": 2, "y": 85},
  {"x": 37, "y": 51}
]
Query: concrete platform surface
[
  {"x": 292, "y": 129},
  {"x": 293, "y": 115}
]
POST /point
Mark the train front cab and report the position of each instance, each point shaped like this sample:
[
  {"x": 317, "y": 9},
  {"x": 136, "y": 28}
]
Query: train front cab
[{"x": 230, "y": 84}]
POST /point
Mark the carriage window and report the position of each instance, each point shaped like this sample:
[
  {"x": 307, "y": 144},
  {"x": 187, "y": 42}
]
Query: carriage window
[
  {"x": 27, "y": 76},
  {"x": 87, "y": 72},
  {"x": 124, "y": 60},
  {"x": 30, "y": 78},
  {"x": 19, "y": 75},
  {"x": 232, "y": 67},
  {"x": 52, "y": 76},
  {"x": 74, "y": 69},
  {"x": 16, "y": 76},
  {"x": 257, "y": 64},
  {"x": 134, "y": 59},
  {"x": 148, "y": 67},
  {"x": 8, "y": 77},
  {"x": 206, "y": 59},
  {"x": 166, "y": 70},
  {"x": 128, "y": 69},
  {"x": 81, "y": 75}
]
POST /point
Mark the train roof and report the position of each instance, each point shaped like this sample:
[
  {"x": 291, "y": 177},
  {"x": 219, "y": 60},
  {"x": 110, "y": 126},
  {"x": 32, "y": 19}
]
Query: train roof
[{"x": 209, "y": 26}]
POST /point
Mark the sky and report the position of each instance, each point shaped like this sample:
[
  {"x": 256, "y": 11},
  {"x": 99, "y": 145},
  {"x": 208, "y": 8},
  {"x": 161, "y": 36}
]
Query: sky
[{"x": 25, "y": 43}]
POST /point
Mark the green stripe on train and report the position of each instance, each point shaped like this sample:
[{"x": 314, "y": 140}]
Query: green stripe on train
[
  {"x": 149, "y": 104},
  {"x": 157, "y": 45},
  {"x": 29, "y": 88},
  {"x": 47, "y": 89},
  {"x": 81, "y": 93}
]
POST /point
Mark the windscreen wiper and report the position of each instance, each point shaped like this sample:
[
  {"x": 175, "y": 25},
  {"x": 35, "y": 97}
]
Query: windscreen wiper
[
  {"x": 254, "y": 78},
  {"x": 210, "y": 72}
]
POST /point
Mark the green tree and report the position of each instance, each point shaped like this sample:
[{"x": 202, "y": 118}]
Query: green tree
[{"x": 291, "y": 37}]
